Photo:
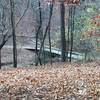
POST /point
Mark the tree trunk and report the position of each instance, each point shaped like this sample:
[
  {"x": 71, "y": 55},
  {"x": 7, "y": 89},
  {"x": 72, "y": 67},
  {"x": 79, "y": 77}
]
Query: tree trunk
[
  {"x": 49, "y": 36},
  {"x": 39, "y": 21},
  {"x": 63, "y": 38},
  {"x": 13, "y": 34},
  {"x": 68, "y": 34},
  {"x": 72, "y": 30},
  {"x": 45, "y": 33},
  {"x": 0, "y": 59}
]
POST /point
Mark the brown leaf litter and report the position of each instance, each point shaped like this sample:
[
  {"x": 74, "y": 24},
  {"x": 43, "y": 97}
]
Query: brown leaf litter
[{"x": 61, "y": 81}]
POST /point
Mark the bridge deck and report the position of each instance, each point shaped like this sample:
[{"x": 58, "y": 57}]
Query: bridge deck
[{"x": 57, "y": 51}]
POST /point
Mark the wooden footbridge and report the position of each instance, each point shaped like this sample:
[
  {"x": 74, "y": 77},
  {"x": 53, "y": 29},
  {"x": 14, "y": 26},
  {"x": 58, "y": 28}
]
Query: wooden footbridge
[
  {"x": 54, "y": 51},
  {"x": 30, "y": 45}
]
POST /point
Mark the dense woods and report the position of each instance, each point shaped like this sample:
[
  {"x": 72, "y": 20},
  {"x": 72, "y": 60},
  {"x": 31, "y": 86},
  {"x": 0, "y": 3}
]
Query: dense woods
[
  {"x": 49, "y": 49},
  {"x": 61, "y": 29}
]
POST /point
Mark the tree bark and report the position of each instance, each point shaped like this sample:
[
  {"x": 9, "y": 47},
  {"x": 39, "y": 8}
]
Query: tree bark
[
  {"x": 49, "y": 36},
  {"x": 72, "y": 31},
  {"x": 13, "y": 34},
  {"x": 46, "y": 31},
  {"x": 37, "y": 34},
  {"x": 0, "y": 59},
  {"x": 63, "y": 38},
  {"x": 68, "y": 35}
]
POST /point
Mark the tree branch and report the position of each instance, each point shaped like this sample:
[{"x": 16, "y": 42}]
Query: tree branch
[{"x": 23, "y": 13}]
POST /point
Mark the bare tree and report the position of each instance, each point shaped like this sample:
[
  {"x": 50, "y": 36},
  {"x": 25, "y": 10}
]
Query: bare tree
[
  {"x": 12, "y": 5},
  {"x": 4, "y": 25},
  {"x": 46, "y": 30},
  {"x": 5, "y": 22},
  {"x": 72, "y": 9},
  {"x": 39, "y": 29},
  {"x": 13, "y": 33},
  {"x": 49, "y": 36},
  {"x": 63, "y": 38}
]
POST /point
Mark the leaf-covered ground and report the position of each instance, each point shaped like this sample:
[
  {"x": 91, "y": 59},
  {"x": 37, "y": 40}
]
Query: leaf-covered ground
[{"x": 57, "y": 82}]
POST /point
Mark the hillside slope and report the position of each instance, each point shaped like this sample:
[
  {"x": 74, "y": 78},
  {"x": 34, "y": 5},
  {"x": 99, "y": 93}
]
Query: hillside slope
[{"x": 57, "y": 82}]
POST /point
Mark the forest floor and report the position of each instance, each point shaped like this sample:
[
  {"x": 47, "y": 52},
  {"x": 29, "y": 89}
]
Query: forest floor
[{"x": 61, "y": 81}]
